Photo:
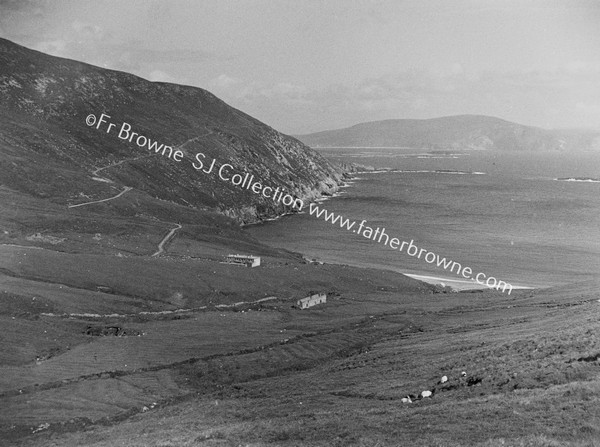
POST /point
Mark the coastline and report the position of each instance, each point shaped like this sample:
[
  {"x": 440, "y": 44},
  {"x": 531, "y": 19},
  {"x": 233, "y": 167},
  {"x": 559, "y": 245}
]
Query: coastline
[
  {"x": 451, "y": 283},
  {"x": 456, "y": 285},
  {"x": 345, "y": 182}
]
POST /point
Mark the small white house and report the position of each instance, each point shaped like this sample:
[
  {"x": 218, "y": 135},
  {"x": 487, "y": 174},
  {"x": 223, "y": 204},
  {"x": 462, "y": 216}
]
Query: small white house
[
  {"x": 313, "y": 300},
  {"x": 247, "y": 260}
]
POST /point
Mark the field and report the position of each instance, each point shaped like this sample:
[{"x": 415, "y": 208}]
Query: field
[
  {"x": 270, "y": 374},
  {"x": 105, "y": 344}
]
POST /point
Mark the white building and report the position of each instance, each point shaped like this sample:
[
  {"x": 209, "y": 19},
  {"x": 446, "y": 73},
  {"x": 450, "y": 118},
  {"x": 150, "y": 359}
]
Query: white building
[
  {"x": 313, "y": 300},
  {"x": 247, "y": 260}
]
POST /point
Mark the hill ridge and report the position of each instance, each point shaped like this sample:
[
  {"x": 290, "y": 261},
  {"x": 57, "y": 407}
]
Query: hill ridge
[
  {"x": 456, "y": 132},
  {"x": 45, "y": 103}
]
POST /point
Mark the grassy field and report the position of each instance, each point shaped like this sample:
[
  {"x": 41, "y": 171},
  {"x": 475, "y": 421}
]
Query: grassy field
[{"x": 103, "y": 344}]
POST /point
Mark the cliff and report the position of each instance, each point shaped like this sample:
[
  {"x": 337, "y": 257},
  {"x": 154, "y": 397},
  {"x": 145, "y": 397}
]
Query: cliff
[{"x": 48, "y": 151}]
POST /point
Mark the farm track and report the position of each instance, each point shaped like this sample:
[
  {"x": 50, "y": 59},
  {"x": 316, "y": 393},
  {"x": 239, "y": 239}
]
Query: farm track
[
  {"x": 161, "y": 245},
  {"x": 97, "y": 170},
  {"x": 157, "y": 313},
  {"x": 125, "y": 189}
]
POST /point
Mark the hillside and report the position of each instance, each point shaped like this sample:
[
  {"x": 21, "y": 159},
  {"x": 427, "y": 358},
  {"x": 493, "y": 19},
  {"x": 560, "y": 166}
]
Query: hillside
[
  {"x": 111, "y": 253},
  {"x": 47, "y": 150},
  {"x": 464, "y": 132},
  {"x": 121, "y": 325}
]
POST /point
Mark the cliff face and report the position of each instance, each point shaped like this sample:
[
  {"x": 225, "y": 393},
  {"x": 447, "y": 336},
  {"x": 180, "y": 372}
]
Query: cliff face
[
  {"x": 49, "y": 151},
  {"x": 464, "y": 132}
]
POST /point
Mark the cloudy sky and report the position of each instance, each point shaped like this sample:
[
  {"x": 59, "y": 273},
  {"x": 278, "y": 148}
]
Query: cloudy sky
[{"x": 308, "y": 65}]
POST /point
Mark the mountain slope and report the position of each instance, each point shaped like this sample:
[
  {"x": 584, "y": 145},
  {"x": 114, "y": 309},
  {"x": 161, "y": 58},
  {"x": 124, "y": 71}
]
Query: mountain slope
[
  {"x": 49, "y": 152},
  {"x": 454, "y": 132}
]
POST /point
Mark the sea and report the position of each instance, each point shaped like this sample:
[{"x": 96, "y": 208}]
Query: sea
[{"x": 529, "y": 219}]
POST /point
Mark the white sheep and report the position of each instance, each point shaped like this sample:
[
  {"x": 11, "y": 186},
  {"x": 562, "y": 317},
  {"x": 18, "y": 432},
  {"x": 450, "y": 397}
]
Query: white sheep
[
  {"x": 406, "y": 400},
  {"x": 444, "y": 379},
  {"x": 426, "y": 393}
]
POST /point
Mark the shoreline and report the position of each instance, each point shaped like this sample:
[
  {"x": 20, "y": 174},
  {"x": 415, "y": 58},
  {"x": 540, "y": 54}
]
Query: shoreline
[
  {"x": 458, "y": 284},
  {"x": 455, "y": 284},
  {"x": 343, "y": 184}
]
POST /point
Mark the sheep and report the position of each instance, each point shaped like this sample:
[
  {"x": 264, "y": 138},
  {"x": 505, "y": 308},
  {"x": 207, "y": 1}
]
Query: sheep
[
  {"x": 406, "y": 400},
  {"x": 444, "y": 379},
  {"x": 426, "y": 393}
]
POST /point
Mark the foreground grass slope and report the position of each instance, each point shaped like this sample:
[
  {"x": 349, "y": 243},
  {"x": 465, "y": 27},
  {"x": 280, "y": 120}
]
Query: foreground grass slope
[{"x": 336, "y": 375}]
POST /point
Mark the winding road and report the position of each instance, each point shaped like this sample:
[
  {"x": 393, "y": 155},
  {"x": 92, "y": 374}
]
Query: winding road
[
  {"x": 104, "y": 179},
  {"x": 125, "y": 189},
  {"x": 96, "y": 176},
  {"x": 95, "y": 173},
  {"x": 165, "y": 240}
]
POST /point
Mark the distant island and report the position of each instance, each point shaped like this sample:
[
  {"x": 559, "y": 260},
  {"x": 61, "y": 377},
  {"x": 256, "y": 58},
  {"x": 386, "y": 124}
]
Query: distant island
[{"x": 462, "y": 132}]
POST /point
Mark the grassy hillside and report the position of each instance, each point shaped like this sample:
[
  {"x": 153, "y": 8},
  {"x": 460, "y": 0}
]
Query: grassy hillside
[
  {"x": 48, "y": 150},
  {"x": 336, "y": 375}
]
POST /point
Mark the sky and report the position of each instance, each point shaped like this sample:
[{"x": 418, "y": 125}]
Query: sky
[{"x": 303, "y": 66}]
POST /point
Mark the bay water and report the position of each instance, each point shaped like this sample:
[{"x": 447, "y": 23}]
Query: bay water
[{"x": 530, "y": 219}]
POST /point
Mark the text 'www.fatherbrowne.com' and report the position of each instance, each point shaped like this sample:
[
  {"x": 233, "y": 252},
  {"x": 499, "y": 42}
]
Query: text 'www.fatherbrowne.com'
[{"x": 394, "y": 243}]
